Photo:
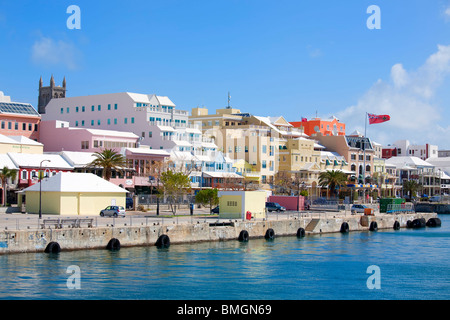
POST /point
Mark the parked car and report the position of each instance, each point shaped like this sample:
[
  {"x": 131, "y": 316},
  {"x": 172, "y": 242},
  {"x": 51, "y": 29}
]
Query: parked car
[
  {"x": 358, "y": 208},
  {"x": 434, "y": 199},
  {"x": 129, "y": 203},
  {"x": 215, "y": 210},
  {"x": 273, "y": 206},
  {"x": 113, "y": 211}
]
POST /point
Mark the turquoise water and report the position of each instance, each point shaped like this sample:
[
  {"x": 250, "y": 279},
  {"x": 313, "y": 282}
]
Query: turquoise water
[{"x": 413, "y": 264}]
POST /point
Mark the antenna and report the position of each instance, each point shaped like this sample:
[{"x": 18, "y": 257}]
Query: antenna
[{"x": 229, "y": 98}]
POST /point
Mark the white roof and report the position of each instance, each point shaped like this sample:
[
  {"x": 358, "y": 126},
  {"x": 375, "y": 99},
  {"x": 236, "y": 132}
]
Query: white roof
[
  {"x": 166, "y": 128},
  {"x": 78, "y": 158},
  {"x": 18, "y": 140},
  {"x": 34, "y": 160},
  {"x": 182, "y": 143},
  {"x": 222, "y": 174},
  {"x": 148, "y": 151},
  {"x": 5, "y": 161},
  {"x": 181, "y": 155},
  {"x": 113, "y": 133},
  {"x": 408, "y": 161},
  {"x": 25, "y": 140},
  {"x": 76, "y": 182}
]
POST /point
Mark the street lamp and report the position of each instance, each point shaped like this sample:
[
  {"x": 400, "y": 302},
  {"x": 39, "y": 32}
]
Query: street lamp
[{"x": 40, "y": 187}]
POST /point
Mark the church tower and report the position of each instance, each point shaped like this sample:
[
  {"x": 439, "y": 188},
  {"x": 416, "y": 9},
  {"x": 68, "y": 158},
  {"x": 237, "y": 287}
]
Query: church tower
[{"x": 50, "y": 92}]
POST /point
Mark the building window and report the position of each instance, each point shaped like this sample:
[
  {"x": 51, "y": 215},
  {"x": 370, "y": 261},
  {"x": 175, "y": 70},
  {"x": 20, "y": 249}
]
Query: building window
[
  {"x": 62, "y": 110},
  {"x": 149, "y": 134},
  {"x": 76, "y": 123},
  {"x": 84, "y": 144},
  {"x": 132, "y": 119},
  {"x": 9, "y": 125},
  {"x": 76, "y": 109},
  {"x": 24, "y": 174},
  {"x": 3, "y": 124},
  {"x": 83, "y": 109},
  {"x": 125, "y": 120},
  {"x": 67, "y": 109},
  {"x": 99, "y": 107},
  {"x": 115, "y": 120},
  {"x": 115, "y": 106},
  {"x": 16, "y": 126},
  {"x": 109, "y": 121},
  {"x": 92, "y": 122},
  {"x": 35, "y": 127},
  {"x": 232, "y": 203},
  {"x": 82, "y": 123},
  {"x": 95, "y": 143},
  {"x": 24, "y": 126},
  {"x": 109, "y": 106},
  {"x": 98, "y": 122},
  {"x": 30, "y": 127}
]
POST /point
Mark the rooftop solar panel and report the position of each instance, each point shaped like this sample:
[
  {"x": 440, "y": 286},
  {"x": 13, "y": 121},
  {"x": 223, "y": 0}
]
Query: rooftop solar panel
[{"x": 19, "y": 108}]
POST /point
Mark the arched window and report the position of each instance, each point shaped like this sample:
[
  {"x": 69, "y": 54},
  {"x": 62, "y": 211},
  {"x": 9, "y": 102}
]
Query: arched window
[{"x": 353, "y": 167}]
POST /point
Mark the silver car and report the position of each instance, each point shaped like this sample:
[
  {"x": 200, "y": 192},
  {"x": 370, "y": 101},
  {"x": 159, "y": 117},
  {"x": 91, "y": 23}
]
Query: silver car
[{"x": 113, "y": 211}]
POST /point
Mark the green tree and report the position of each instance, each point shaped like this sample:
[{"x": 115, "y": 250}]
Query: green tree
[
  {"x": 207, "y": 196},
  {"x": 331, "y": 179},
  {"x": 108, "y": 159},
  {"x": 6, "y": 174},
  {"x": 411, "y": 187},
  {"x": 175, "y": 184}
]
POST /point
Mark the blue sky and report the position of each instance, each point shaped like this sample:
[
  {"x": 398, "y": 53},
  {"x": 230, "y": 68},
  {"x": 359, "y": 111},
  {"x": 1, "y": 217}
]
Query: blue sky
[{"x": 289, "y": 58}]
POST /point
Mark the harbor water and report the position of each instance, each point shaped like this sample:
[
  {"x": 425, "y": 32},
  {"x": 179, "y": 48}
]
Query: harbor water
[{"x": 387, "y": 264}]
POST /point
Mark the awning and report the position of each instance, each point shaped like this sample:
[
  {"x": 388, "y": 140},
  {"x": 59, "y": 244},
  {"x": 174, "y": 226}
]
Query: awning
[{"x": 222, "y": 175}]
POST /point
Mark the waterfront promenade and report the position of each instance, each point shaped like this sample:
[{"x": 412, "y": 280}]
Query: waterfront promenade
[{"x": 23, "y": 232}]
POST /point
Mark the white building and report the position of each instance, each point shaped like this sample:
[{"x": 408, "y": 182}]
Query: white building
[
  {"x": 405, "y": 148},
  {"x": 153, "y": 118}
]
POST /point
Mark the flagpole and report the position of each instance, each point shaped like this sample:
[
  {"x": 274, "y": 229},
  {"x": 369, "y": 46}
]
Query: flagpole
[{"x": 364, "y": 168}]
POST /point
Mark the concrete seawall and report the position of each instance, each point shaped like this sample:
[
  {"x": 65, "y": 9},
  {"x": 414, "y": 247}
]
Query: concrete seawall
[{"x": 98, "y": 237}]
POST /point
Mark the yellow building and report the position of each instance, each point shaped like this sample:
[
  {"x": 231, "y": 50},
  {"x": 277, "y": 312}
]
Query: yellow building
[
  {"x": 254, "y": 139},
  {"x": 69, "y": 193},
  {"x": 235, "y": 204}
]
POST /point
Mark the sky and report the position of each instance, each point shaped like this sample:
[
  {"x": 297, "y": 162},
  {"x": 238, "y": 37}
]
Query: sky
[{"x": 295, "y": 59}]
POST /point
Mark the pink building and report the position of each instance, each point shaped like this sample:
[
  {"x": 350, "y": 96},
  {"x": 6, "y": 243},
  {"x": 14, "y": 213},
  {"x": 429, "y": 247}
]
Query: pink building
[
  {"x": 57, "y": 136},
  {"x": 289, "y": 202}
]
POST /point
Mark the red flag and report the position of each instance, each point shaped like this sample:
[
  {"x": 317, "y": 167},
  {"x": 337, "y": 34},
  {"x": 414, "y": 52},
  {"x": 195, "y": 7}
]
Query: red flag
[
  {"x": 304, "y": 120},
  {"x": 374, "y": 118}
]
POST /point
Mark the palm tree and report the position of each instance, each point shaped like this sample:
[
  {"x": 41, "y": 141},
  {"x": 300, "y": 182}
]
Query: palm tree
[
  {"x": 5, "y": 174},
  {"x": 332, "y": 178},
  {"x": 410, "y": 187},
  {"x": 108, "y": 159}
]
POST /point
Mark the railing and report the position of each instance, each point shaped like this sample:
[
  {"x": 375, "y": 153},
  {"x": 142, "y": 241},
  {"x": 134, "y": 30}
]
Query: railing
[{"x": 400, "y": 208}]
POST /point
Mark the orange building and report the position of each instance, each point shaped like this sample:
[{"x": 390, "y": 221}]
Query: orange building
[{"x": 326, "y": 127}]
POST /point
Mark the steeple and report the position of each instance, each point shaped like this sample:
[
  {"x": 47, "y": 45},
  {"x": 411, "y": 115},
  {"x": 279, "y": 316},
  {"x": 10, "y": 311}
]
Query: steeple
[
  {"x": 40, "y": 82},
  {"x": 64, "y": 82},
  {"x": 52, "y": 81}
]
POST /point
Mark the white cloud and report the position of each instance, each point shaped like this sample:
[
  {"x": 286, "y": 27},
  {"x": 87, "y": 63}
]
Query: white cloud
[
  {"x": 409, "y": 98},
  {"x": 49, "y": 52},
  {"x": 313, "y": 52}
]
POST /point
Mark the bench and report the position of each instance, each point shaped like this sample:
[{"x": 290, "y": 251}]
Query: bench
[
  {"x": 71, "y": 223},
  {"x": 51, "y": 222},
  {"x": 88, "y": 221}
]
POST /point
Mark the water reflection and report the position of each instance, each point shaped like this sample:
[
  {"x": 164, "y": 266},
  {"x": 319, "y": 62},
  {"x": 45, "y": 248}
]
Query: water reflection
[{"x": 327, "y": 266}]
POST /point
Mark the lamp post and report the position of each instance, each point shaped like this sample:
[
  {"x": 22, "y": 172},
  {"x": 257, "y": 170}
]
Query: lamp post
[{"x": 40, "y": 187}]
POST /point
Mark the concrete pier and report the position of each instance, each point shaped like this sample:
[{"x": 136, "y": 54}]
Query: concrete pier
[{"x": 15, "y": 241}]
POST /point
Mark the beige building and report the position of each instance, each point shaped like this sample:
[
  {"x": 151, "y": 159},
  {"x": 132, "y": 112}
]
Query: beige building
[
  {"x": 69, "y": 193},
  {"x": 254, "y": 139},
  {"x": 351, "y": 147},
  {"x": 19, "y": 144}
]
